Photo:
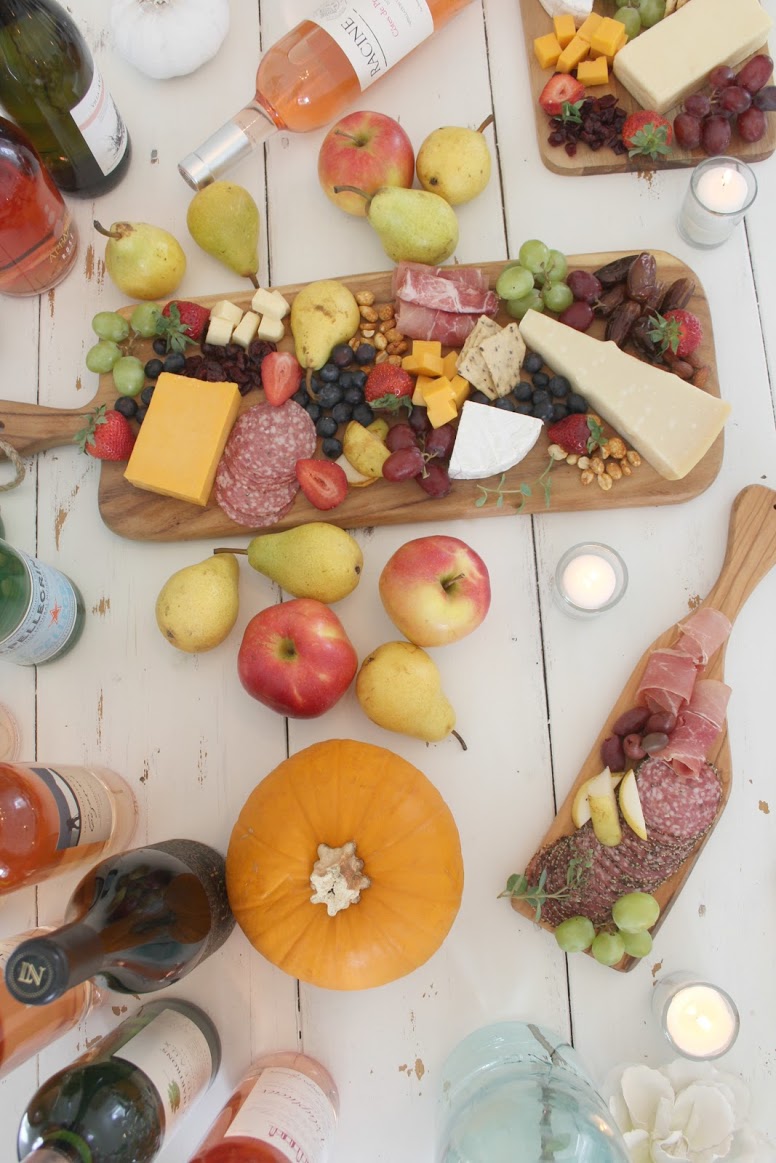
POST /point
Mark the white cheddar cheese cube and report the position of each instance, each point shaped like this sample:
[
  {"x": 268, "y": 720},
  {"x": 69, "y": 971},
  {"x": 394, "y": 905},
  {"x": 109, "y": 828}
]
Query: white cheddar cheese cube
[
  {"x": 224, "y": 309},
  {"x": 670, "y": 422},
  {"x": 270, "y": 303},
  {"x": 271, "y": 329},
  {"x": 219, "y": 331},
  {"x": 245, "y": 331},
  {"x": 490, "y": 440}
]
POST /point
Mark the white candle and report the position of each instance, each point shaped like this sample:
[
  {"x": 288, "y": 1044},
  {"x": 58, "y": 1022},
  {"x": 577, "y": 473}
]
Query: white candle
[
  {"x": 722, "y": 190},
  {"x": 701, "y": 1022},
  {"x": 589, "y": 581}
]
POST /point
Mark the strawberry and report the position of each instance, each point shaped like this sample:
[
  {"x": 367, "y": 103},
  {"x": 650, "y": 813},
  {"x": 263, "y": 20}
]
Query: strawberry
[
  {"x": 107, "y": 435},
  {"x": 281, "y": 375},
  {"x": 576, "y": 433},
  {"x": 560, "y": 90},
  {"x": 680, "y": 330},
  {"x": 322, "y": 481},
  {"x": 181, "y": 323},
  {"x": 647, "y": 134},
  {"x": 388, "y": 386}
]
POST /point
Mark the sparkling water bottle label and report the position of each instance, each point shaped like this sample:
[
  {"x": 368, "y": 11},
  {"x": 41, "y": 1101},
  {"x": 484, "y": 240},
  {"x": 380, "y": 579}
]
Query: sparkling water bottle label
[
  {"x": 50, "y": 617},
  {"x": 174, "y": 1054},
  {"x": 375, "y": 34},
  {"x": 101, "y": 124},
  {"x": 289, "y": 1111}
]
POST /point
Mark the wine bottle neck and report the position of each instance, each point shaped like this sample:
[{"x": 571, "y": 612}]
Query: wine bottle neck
[
  {"x": 44, "y": 968},
  {"x": 227, "y": 146}
]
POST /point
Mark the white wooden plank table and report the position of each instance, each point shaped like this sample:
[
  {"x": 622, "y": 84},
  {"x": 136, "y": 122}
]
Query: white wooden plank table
[{"x": 530, "y": 686}]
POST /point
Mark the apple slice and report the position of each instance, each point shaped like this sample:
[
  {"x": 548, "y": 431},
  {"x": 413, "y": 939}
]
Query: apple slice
[
  {"x": 630, "y": 805},
  {"x": 580, "y": 807},
  {"x": 603, "y": 809}
]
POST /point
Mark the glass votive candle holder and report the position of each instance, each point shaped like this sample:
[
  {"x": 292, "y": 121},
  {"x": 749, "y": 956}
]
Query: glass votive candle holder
[
  {"x": 699, "y": 1019},
  {"x": 721, "y": 191},
  {"x": 9, "y": 736},
  {"x": 590, "y": 578}
]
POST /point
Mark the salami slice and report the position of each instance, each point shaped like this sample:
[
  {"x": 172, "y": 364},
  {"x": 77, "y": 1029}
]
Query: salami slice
[
  {"x": 677, "y": 807},
  {"x": 266, "y": 441},
  {"x": 249, "y": 504}
]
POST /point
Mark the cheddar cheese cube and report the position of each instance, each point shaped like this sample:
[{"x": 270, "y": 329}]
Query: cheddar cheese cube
[
  {"x": 591, "y": 73},
  {"x": 572, "y": 54},
  {"x": 608, "y": 38},
  {"x": 564, "y": 28},
  {"x": 423, "y": 363},
  {"x": 182, "y": 437},
  {"x": 419, "y": 394},
  {"x": 460, "y": 389},
  {"x": 547, "y": 49},
  {"x": 441, "y": 407},
  {"x": 588, "y": 26},
  {"x": 450, "y": 364}
]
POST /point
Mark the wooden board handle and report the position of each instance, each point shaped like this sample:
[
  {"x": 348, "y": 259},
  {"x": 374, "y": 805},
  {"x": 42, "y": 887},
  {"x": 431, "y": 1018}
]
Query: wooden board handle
[
  {"x": 751, "y": 549},
  {"x": 32, "y": 427}
]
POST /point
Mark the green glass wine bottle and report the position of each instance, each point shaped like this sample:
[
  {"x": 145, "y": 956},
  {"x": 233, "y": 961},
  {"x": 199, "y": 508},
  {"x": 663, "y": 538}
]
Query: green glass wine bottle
[
  {"x": 120, "y": 1101},
  {"x": 41, "y": 611},
  {"x": 51, "y": 87}
]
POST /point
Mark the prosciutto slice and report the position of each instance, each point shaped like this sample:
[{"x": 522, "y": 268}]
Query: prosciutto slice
[
  {"x": 428, "y": 289},
  {"x": 472, "y": 277},
  {"x": 667, "y": 682},
  {"x": 418, "y": 322},
  {"x": 702, "y": 634},
  {"x": 698, "y": 727}
]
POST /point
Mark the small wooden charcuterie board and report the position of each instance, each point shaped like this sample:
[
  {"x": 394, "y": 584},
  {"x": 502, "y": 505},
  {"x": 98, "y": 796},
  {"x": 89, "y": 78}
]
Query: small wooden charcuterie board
[
  {"x": 750, "y": 555},
  {"x": 145, "y": 516},
  {"x": 536, "y": 23}
]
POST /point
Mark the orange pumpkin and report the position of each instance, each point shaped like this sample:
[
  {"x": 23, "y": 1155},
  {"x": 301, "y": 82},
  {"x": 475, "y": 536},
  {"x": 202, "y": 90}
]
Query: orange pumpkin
[{"x": 344, "y": 867}]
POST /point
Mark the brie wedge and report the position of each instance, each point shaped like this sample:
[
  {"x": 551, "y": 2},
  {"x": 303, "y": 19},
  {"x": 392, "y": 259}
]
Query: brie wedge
[
  {"x": 490, "y": 441},
  {"x": 579, "y": 9}
]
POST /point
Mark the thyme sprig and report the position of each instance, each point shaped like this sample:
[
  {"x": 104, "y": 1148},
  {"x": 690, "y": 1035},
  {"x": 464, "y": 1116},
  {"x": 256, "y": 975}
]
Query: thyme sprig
[
  {"x": 536, "y": 895},
  {"x": 524, "y": 489}
]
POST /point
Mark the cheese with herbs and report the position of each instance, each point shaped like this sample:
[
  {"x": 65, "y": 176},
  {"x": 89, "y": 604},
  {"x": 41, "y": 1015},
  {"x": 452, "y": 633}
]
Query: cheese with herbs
[
  {"x": 490, "y": 441},
  {"x": 670, "y": 422},
  {"x": 673, "y": 58}
]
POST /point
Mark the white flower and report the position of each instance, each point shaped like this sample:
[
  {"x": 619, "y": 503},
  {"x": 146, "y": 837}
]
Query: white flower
[{"x": 685, "y": 1112}]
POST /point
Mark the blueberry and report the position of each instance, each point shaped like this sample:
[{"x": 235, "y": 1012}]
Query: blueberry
[
  {"x": 358, "y": 378},
  {"x": 559, "y": 386},
  {"x": 559, "y": 412},
  {"x": 365, "y": 353},
  {"x": 153, "y": 369},
  {"x": 345, "y": 380},
  {"x": 524, "y": 408},
  {"x": 342, "y": 413},
  {"x": 314, "y": 411},
  {"x": 532, "y": 363},
  {"x": 331, "y": 447},
  {"x": 329, "y": 395},
  {"x": 341, "y": 355},
  {"x": 363, "y": 414},
  {"x": 326, "y": 426},
  {"x": 147, "y": 394},
  {"x": 543, "y": 411},
  {"x": 540, "y": 396},
  {"x": 301, "y": 397},
  {"x": 540, "y": 379},
  {"x": 504, "y": 403},
  {"x": 160, "y": 346},
  {"x": 140, "y": 415},
  {"x": 353, "y": 395},
  {"x": 479, "y": 398},
  {"x": 127, "y": 406},
  {"x": 575, "y": 402},
  {"x": 329, "y": 373},
  {"x": 522, "y": 391},
  {"x": 316, "y": 383},
  {"x": 175, "y": 362}
]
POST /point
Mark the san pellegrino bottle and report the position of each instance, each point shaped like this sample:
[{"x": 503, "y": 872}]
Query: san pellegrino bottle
[
  {"x": 51, "y": 87},
  {"x": 25, "y": 1030},
  {"x": 42, "y": 612},
  {"x": 316, "y": 70},
  {"x": 284, "y": 1109},
  {"x": 121, "y": 1101},
  {"x": 38, "y": 238},
  {"x": 140, "y": 920},
  {"x": 55, "y": 817},
  {"x": 516, "y": 1091}
]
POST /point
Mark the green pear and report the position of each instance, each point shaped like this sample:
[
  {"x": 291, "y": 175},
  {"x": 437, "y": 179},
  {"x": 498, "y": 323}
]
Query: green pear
[
  {"x": 323, "y": 314},
  {"x": 317, "y": 561},
  {"x": 224, "y": 220},
  {"x": 144, "y": 261},
  {"x": 412, "y": 225},
  {"x": 400, "y": 688},
  {"x": 454, "y": 162},
  {"x": 197, "y": 607}
]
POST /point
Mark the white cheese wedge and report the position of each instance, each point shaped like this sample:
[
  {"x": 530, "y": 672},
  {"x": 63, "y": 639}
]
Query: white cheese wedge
[
  {"x": 674, "y": 57},
  {"x": 224, "y": 309},
  {"x": 245, "y": 331},
  {"x": 579, "y": 9},
  {"x": 670, "y": 422},
  {"x": 219, "y": 331},
  {"x": 490, "y": 440},
  {"x": 269, "y": 303},
  {"x": 271, "y": 329}
]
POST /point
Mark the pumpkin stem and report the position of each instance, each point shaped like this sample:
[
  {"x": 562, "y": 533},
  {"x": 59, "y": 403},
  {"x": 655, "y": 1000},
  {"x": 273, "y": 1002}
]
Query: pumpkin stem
[{"x": 337, "y": 877}]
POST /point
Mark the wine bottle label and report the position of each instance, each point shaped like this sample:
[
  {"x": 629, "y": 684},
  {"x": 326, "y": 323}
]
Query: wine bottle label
[
  {"x": 84, "y": 806},
  {"x": 101, "y": 125},
  {"x": 375, "y": 34},
  {"x": 174, "y": 1054},
  {"x": 50, "y": 617},
  {"x": 291, "y": 1112}
]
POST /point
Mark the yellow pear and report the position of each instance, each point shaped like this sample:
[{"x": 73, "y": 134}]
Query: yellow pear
[
  {"x": 316, "y": 560},
  {"x": 400, "y": 688},
  {"x": 454, "y": 162},
  {"x": 223, "y": 219},
  {"x": 144, "y": 261},
  {"x": 197, "y": 607},
  {"x": 323, "y": 314}
]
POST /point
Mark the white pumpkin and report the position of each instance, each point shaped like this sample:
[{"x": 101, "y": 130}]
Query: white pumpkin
[{"x": 168, "y": 38}]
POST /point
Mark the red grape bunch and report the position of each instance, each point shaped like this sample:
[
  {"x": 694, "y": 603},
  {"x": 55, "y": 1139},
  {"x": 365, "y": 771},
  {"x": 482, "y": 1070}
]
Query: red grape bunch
[{"x": 737, "y": 101}]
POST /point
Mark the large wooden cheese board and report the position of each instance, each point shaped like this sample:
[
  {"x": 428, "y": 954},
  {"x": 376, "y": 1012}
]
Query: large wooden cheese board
[
  {"x": 536, "y": 23},
  {"x": 750, "y": 555},
  {"x": 145, "y": 516}
]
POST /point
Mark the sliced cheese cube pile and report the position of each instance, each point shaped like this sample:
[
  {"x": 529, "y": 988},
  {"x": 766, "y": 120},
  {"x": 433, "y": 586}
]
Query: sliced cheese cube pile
[{"x": 230, "y": 324}]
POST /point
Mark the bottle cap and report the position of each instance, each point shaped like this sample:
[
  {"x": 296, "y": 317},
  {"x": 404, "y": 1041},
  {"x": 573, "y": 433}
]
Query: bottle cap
[
  {"x": 9, "y": 736},
  {"x": 228, "y": 146},
  {"x": 37, "y": 972}
]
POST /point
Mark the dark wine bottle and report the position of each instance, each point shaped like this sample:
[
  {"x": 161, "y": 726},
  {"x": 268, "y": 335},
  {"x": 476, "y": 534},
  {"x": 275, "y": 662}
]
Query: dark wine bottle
[
  {"x": 51, "y": 87},
  {"x": 140, "y": 920},
  {"x": 120, "y": 1101}
]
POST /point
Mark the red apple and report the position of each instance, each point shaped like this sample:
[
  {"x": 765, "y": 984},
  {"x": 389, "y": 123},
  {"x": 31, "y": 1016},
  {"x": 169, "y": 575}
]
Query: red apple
[
  {"x": 435, "y": 590},
  {"x": 365, "y": 150},
  {"x": 296, "y": 658}
]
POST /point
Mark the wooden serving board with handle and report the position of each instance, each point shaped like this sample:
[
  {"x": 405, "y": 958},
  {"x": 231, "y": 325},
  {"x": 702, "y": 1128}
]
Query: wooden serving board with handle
[
  {"x": 750, "y": 555},
  {"x": 536, "y": 22},
  {"x": 144, "y": 516}
]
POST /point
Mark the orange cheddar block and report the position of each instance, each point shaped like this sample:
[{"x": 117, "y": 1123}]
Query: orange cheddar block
[
  {"x": 565, "y": 29},
  {"x": 424, "y": 364},
  {"x": 608, "y": 37},
  {"x": 460, "y": 390},
  {"x": 440, "y": 404},
  {"x": 572, "y": 54},
  {"x": 588, "y": 26},
  {"x": 422, "y": 383},
  {"x": 547, "y": 49},
  {"x": 591, "y": 73},
  {"x": 182, "y": 437},
  {"x": 450, "y": 364}
]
